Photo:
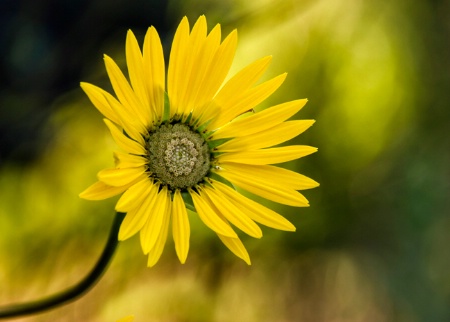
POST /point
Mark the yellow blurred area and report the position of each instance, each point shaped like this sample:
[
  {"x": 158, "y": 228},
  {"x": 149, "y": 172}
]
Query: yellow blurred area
[
  {"x": 370, "y": 247},
  {"x": 353, "y": 49}
]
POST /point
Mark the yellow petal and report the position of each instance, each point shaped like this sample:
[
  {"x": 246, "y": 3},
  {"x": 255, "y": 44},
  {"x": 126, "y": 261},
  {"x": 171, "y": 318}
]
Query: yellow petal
[
  {"x": 235, "y": 87},
  {"x": 118, "y": 114},
  {"x": 271, "y": 175},
  {"x": 292, "y": 179},
  {"x": 233, "y": 213},
  {"x": 134, "y": 196},
  {"x": 177, "y": 64},
  {"x": 153, "y": 226},
  {"x": 97, "y": 98},
  {"x": 131, "y": 224},
  {"x": 138, "y": 213},
  {"x": 254, "y": 210},
  {"x": 180, "y": 227},
  {"x": 217, "y": 71},
  {"x": 154, "y": 71},
  {"x": 195, "y": 95},
  {"x": 125, "y": 93},
  {"x": 137, "y": 216},
  {"x": 120, "y": 177},
  {"x": 156, "y": 251},
  {"x": 136, "y": 70},
  {"x": 132, "y": 128},
  {"x": 275, "y": 193},
  {"x": 210, "y": 217},
  {"x": 278, "y": 134},
  {"x": 208, "y": 112},
  {"x": 123, "y": 142},
  {"x": 242, "y": 81},
  {"x": 260, "y": 121},
  {"x": 100, "y": 191},
  {"x": 236, "y": 246},
  {"x": 268, "y": 156},
  {"x": 239, "y": 104},
  {"x": 193, "y": 65},
  {"x": 126, "y": 160}
]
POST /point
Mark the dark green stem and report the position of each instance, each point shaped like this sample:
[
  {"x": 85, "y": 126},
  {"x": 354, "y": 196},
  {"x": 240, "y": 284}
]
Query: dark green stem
[{"x": 72, "y": 293}]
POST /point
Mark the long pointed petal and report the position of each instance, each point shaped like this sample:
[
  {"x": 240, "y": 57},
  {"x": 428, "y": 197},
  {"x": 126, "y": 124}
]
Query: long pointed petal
[
  {"x": 246, "y": 101},
  {"x": 177, "y": 64},
  {"x": 268, "y": 156},
  {"x": 196, "y": 95},
  {"x": 236, "y": 246},
  {"x": 133, "y": 197},
  {"x": 100, "y": 191},
  {"x": 120, "y": 177},
  {"x": 138, "y": 215},
  {"x": 233, "y": 213},
  {"x": 136, "y": 70},
  {"x": 188, "y": 78},
  {"x": 126, "y": 160},
  {"x": 125, "y": 93},
  {"x": 134, "y": 129},
  {"x": 285, "y": 196},
  {"x": 242, "y": 81},
  {"x": 260, "y": 121},
  {"x": 97, "y": 98},
  {"x": 180, "y": 227},
  {"x": 254, "y": 210},
  {"x": 217, "y": 71},
  {"x": 156, "y": 251},
  {"x": 122, "y": 141},
  {"x": 154, "y": 72},
  {"x": 271, "y": 175},
  {"x": 153, "y": 226},
  {"x": 278, "y": 134},
  {"x": 210, "y": 217}
]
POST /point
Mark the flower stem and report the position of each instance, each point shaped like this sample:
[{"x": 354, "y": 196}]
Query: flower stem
[{"x": 75, "y": 291}]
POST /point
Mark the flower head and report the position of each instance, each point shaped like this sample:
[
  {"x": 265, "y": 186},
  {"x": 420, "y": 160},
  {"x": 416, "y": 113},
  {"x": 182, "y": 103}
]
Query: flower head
[{"x": 186, "y": 147}]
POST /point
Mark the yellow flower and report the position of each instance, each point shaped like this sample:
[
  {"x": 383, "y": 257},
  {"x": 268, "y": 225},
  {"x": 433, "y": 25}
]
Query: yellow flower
[{"x": 187, "y": 148}]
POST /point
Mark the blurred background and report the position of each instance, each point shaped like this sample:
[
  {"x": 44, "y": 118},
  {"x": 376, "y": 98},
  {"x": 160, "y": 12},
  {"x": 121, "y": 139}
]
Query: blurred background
[{"x": 373, "y": 246}]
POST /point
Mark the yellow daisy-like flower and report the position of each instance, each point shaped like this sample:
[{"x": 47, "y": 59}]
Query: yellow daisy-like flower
[{"x": 187, "y": 148}]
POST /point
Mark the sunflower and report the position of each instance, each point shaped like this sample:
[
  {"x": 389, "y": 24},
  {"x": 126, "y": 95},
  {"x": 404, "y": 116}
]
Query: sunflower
[{"x": 187, "y": 147}]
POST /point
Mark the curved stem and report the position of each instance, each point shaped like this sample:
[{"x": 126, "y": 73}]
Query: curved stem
[{"x": 75, "y": 291}]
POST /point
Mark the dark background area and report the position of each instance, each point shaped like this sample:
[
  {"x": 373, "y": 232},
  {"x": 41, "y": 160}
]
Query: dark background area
[{"x": 45, "y": 47}]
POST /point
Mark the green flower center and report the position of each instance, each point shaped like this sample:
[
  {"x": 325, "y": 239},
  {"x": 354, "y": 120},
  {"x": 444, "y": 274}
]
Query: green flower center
[{"x": 178, "y": 156}]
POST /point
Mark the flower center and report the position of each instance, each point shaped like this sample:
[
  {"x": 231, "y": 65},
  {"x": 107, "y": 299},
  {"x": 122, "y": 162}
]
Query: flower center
[{"x": 178, "y": 156}]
